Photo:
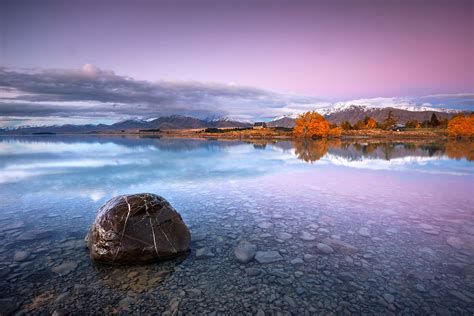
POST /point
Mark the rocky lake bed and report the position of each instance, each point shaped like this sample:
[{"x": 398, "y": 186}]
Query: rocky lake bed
[{"x": 277, "y": 243}]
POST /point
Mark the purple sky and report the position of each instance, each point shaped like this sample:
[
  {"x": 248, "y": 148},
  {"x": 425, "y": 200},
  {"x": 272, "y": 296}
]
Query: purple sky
[{"x": 329, "y": 50}]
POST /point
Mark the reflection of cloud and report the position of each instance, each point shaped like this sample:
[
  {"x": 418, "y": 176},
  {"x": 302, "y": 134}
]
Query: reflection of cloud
[
  {"x": 80, "y": 163},
  {"x": 378, "y": 164},
  {"x": 94, "y": 195},
  {"x": 408, "y": 163},
  {"x": 101, "y": 150},
  {"x": 16, "y": 172},
  {"x": 38, "y": 147},
  {"x": 12, "y": 176},
  {"x": 94, "y": 165},
  {"x": 23, "y": 159}
]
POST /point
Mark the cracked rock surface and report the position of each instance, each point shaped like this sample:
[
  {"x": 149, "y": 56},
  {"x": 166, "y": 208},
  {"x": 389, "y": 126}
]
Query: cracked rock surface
[{"x": 137, "y": 228}]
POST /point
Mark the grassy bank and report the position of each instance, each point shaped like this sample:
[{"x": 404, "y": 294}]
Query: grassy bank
[
  {"x": 272, "y": 133},
  {"x": 406, "y": 134}
]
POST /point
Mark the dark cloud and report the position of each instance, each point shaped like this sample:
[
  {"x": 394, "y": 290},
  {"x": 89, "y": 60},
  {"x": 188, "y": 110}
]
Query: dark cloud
[{"x": 91, "y": 90}]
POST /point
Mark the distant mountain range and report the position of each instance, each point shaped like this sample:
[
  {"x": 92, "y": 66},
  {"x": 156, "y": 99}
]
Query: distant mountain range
[
  {"x": 411, "y": 108},
  {"x": 354, "y": 113},
  {"x": 351, "y": 113},
  {"x": 174, "y": 122},
  {"x": 287, "y": 122}
]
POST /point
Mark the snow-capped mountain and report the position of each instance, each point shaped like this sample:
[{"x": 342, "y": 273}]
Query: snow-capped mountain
[
  {"x": 354, "y": 113},
  {"x": 339, "y": 113},
  {"x": 351, "y": 107},
  {"x": 291, "y": 116},
  {"x": 283, "y": 121}
]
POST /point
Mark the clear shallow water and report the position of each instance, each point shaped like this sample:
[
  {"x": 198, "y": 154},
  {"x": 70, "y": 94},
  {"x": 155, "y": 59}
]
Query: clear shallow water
[{"x": 399, "y": 218}]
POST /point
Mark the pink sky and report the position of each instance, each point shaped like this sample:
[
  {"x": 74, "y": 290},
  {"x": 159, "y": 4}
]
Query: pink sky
[{"x": 330, "y": 49}]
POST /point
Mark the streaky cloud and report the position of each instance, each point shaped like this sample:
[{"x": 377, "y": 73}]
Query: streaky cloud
[
  {"x": 73, "y": 95},
  {"x": 91, "y": 91}
]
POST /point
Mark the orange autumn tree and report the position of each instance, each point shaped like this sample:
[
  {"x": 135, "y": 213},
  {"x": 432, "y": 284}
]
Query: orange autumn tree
[
  {"x": 335, "y": 132},
  {"x": 461, "y": 126},
  {"x": 366, "y": 123},
  {"x": 311, "y": 125},
  {"x": 371, "y": 123}
]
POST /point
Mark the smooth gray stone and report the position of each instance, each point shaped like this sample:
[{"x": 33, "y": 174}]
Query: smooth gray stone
[{"x": 269, "y": 256}]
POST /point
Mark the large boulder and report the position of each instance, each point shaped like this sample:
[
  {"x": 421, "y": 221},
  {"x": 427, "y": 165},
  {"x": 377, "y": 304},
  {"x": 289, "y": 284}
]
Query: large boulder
[{"x": 137, "y": 228}]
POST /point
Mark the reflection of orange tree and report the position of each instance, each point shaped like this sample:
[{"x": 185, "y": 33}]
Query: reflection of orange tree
[
  {"x": 313, "y": 150},
  {"x": 370, "y": 148},
  {"x": 461, "y": 126},
  {"x": 335, "y": 143},
  {"x": 459, "y": 149}
]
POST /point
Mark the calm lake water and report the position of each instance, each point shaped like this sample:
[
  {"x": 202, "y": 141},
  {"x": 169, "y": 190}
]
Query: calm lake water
[{"x": 398, "y": 219}]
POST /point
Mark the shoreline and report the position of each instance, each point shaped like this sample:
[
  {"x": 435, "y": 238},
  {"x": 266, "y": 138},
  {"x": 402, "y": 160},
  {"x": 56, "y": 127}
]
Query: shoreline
[{"x": 424, "y": 134}]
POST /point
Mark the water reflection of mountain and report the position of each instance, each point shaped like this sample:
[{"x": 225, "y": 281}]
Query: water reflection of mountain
[
  {"x": 307, "y": 150},
  {"x": 387, "y": 151},
  {"x": 164, "y": 144},
  {"x": 313, "y": 150}
]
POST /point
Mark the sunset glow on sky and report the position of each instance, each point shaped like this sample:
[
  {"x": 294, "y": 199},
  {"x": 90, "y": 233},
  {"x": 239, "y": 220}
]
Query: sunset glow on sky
[{"x": 329, "y": 50}]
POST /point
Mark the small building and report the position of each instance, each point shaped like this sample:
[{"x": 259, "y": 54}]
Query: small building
[
  {"x": 212, "y": 130},
  {"x": 259, "y": 125},
  {"x": 399, "y": 127}
]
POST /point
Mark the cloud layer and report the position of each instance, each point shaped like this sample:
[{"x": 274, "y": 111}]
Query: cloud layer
[{"x": 91, "y": 94}]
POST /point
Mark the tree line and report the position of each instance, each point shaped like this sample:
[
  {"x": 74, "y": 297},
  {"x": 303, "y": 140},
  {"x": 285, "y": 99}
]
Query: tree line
[
  {"x": 390, "y": 121},
  {"x": 314, "y": 125},
  {"x": 311, "y": 151}
]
